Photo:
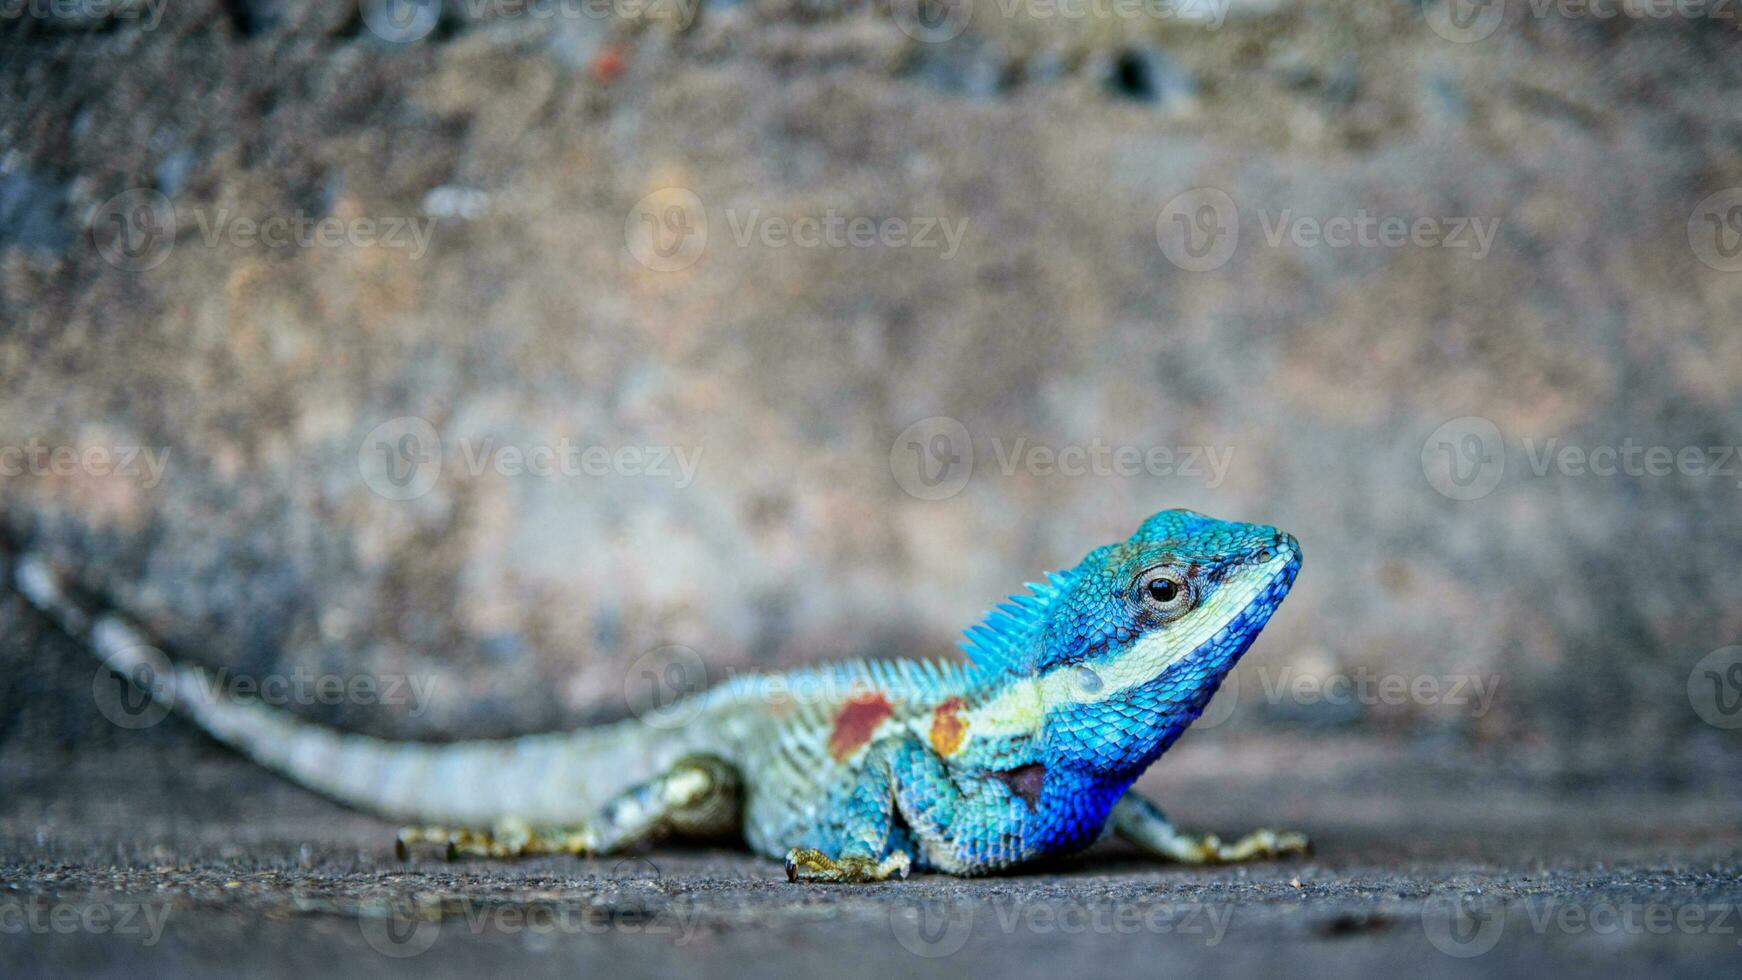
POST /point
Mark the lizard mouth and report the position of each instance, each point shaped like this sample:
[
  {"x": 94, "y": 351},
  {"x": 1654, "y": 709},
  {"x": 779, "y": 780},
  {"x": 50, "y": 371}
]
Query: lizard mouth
[
  {"x": 1208, "y": 639},
  {"x": 1241, "y": 607}
]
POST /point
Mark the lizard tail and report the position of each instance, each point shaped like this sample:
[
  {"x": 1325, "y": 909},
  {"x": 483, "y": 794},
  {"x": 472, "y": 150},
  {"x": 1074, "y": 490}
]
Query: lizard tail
[{"x": 557, "y": 779}]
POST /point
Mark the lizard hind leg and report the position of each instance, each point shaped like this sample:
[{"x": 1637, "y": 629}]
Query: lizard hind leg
[
  {"x": 508, "y": 837},
  {"x": 699, "y": 796},
  {"x": 861, "y": 840}
]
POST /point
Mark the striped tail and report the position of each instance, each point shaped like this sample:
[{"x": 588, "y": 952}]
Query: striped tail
[{"x": 556, "y": 779}]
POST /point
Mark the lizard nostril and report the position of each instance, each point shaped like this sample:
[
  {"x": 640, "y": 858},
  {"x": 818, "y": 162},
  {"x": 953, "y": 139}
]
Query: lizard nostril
[{"x": 1283, "y": 543}]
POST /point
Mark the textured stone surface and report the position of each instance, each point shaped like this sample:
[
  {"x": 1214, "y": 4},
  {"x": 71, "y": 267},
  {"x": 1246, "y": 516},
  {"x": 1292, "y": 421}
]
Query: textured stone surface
[
  {"x": 160, "y": 853},
  {"x": 1318, "y": 373},
  {"x": 189, "y": 862}
]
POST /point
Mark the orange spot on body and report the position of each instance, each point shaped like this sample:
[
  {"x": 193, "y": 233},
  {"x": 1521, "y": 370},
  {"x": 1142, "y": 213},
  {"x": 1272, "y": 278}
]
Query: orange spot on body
[
  {"x": 859, "y": 717},
  {"x": 609, "y": 64},
  {"x": 948, "y": 727}
]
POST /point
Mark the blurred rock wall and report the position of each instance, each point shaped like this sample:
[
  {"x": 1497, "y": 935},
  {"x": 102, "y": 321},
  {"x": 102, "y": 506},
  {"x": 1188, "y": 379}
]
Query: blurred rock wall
[{"x": 502, "y": 348}]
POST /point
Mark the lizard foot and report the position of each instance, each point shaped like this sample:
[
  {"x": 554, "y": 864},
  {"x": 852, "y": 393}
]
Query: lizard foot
[
  {"x": 809, "y": 864},
  {"x": 508, "y": 838},
  {"x": 1260, "y": 845}
]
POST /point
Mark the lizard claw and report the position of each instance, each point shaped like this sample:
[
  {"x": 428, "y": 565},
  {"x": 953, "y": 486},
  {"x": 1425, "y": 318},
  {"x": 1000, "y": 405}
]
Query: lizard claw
[
  {"x": 1261, "y": 845},
  {"x": 810, "y": 864},
  {"x": 509, "y": 838}
]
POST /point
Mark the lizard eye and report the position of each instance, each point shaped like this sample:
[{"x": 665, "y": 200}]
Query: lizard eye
[
  {"x": 1165, "y": 592},
  {"x": 1089, "y": 681}
]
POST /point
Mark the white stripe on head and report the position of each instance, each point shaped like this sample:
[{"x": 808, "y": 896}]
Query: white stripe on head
[{"x": 1151, "y": 654}]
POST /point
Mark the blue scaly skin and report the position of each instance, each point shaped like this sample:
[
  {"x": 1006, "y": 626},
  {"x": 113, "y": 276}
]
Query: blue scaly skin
[{"x": 852, "y": 772}]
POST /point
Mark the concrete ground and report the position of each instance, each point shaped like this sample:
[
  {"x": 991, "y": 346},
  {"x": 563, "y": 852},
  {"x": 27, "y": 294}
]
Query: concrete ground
[{"x": 182, "y": 860}]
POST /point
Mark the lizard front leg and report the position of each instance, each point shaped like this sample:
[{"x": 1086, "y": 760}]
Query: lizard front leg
[
  {"x": 853, "y": 840},
  {"x": 859, "y": 839},
  {"x": 697, "y": 797},
  {"x": 1143, "y": 824}
]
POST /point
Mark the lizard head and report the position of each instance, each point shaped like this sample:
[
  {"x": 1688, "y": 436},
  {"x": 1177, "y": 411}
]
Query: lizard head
[{"x": 1126, "y": 649}]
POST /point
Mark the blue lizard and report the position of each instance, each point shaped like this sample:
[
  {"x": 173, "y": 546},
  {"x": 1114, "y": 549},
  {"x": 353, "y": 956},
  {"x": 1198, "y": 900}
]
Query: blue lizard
[{"x": 849, "y": 772}]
